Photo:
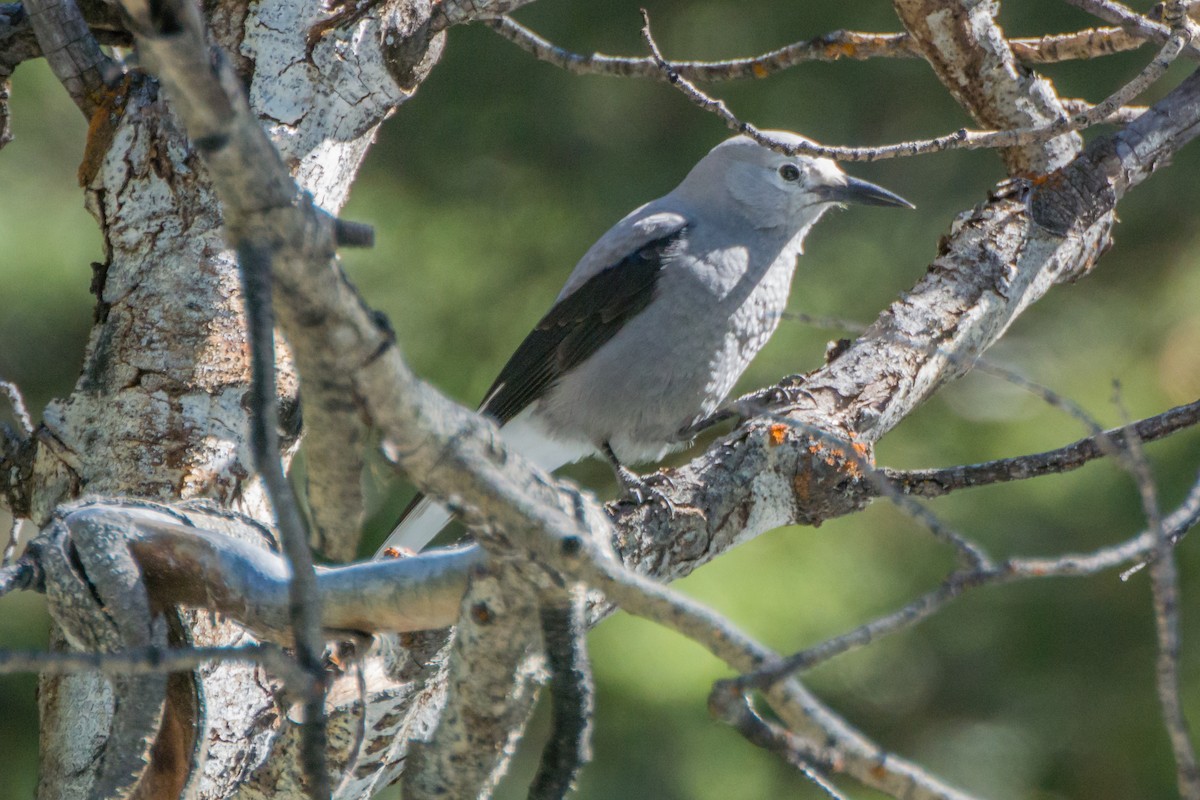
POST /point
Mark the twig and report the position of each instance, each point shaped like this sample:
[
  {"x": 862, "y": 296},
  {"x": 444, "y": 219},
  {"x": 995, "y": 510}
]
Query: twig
[
  {"x": 254, "y": 260},
  {"x": 833, "y": 46},
  {"x": 10, "y": 547},
  {"x": 1122, "y": 116},
  {"x": 71, "y": 51},
  {"x": 736, "y": 710},
  {"x": 20, "y": 411},
  {"x": 1164, "y": 592},
  {"x": 149, "y": 660},
  {"x": 939, "y": 482},
  {"x": 572, "y": 701},
  {"x": 19, "y": 576},
  {"x": 855, "y": 755},
  {"x": 1080, "y": 45},
  {"x": 910, "y": 614},
  {"x": 962, "y": 139},
  {"x": 1137, "y": 24},
  {"x": 1140, "y": 546}
]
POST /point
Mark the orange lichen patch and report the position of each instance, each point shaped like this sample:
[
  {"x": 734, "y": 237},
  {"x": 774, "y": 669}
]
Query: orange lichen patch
[
  {"x": 840, "y": 50},
  {"x": 759, "y": 70},
  {"x": 110, "y": 107},
  {"x": 777, "y": 434},
  {"x": 398, "y": 552}
]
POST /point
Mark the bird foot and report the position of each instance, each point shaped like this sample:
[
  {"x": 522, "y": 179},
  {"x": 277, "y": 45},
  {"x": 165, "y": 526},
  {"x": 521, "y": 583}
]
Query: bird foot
[{"x": 638, "y": 490}]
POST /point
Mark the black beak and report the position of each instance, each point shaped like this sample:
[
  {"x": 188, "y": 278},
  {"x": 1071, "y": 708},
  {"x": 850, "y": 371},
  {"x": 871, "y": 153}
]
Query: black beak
[{"x": 864, "y": 192}]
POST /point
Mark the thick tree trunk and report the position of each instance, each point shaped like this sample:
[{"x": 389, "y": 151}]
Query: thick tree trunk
[{"x": 159, "y": 411}]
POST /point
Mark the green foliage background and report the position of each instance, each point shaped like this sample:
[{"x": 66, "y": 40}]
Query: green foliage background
[{"x": 487, "y": 187}]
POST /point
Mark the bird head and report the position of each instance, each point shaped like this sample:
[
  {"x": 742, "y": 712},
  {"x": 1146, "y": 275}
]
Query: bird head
[{"x": 771, "y": 190}]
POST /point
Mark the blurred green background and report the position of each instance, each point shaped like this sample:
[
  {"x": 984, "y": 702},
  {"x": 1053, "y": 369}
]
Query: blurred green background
[{"x": 487, "y": 187}]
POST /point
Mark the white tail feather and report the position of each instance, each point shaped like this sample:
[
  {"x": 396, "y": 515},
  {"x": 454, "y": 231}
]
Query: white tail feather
[{"x": 524, "y": 435}]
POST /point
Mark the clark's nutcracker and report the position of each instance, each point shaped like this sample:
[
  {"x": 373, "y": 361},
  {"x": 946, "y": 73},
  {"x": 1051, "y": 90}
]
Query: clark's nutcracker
[{"x": 661, "y": 316}]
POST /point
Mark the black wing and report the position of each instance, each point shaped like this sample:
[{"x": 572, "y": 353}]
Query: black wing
[{"x": 578, "y": 326}]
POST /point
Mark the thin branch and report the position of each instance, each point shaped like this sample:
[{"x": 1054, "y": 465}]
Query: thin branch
[
  {"x": 962, "y": 139},
  {"x": 1142, "y": 26},
  {"x": 19, "y": 576},
  {"x": 147, "y": 660},
  {"x": 10, "y": 546},
  {"x": 572, "y": 693},
  {"x": 72, "y": 52},
  {"x": 190, "y": 566},
  {"x": 1122, "y": 116},
  {"x": 851, "y": 753},
  {"x": 1164, "y": 592},
  {"x": 1164, "y": 581},
  {"x": 20, "y": 411},
  {"x": 833, "y": 46},
  {"x": 254, "y": 260},
  {"x": 939, "y": 482},
  {"x": 1143, "y": 545},
  {"x": 735, "y": 709},
  {"x": 1076, "y": 46}
]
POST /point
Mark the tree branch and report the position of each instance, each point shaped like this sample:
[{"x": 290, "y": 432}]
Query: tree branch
[
  {"x": 72, "y": 52},
  {"x": 939, "y": 482},
  {"x": 1046, "y": 130},
  {"x": 833, "y": 46},
  {"x": 1143, "y": 26},
  {"x": 572, "y": 693}
]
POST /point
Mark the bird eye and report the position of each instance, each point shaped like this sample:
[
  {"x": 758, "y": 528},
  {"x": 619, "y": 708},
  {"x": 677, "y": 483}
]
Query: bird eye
[{"x": 789, "y": 172}]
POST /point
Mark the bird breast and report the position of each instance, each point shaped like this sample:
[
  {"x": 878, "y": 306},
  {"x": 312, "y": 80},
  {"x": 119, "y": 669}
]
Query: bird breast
[{"x": 675, "y": 362}]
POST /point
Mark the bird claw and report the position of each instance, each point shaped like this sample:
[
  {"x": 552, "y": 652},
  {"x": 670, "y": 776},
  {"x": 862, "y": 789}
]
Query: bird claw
[{"x": 638, "y": 490}]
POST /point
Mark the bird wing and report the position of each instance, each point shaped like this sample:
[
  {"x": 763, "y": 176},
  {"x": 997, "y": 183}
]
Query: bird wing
[
  {"x": 583, "y": 320},
  {"x": 613, "y": 281}
]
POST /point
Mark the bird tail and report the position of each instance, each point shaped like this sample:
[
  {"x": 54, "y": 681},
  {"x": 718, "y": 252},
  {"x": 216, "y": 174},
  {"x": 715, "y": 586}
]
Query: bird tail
[
  {"x": 422, "y": 520},
  {"x": 425, "y": 518}
]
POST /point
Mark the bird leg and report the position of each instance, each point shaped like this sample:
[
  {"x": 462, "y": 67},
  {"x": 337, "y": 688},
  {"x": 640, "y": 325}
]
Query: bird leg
[{"x": 635, "y": 488}]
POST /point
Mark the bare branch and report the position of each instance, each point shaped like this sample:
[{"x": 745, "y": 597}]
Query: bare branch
[
  {"x": 939, "y": 482},
  {"x": 254, "y": 261},
  {"x": 149, "y": 660},
  {"x": 1137, "y": 24},
  {"x": 186, "y": 564},
  {"x": 962, "y": 139},
  {"x": 1164, "y": 590},
  {"x": 1122, "y": 116},
  {"x": 1132, "y": 550},
  {"x": 735, "y": 709},
  {"x": 1080, "y": 45},
  {"x": 967, "y": 51},
  {"x": 833, "y": 46},
  {"x": 849, "y": 751},
  {"x": 21, "y": 575},
  {"x": 493, "y": 672},
  {"x": 568, "y": 749},
  {"x": 72, "y": 52},
  {"x": 17, "y": 401}
]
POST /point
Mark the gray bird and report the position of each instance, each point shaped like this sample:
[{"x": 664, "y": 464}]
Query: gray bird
[{"x": 661, "y": 316}]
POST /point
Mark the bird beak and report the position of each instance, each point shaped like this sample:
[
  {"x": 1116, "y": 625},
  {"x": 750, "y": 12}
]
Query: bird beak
[{"x": 858, "y": 191}]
